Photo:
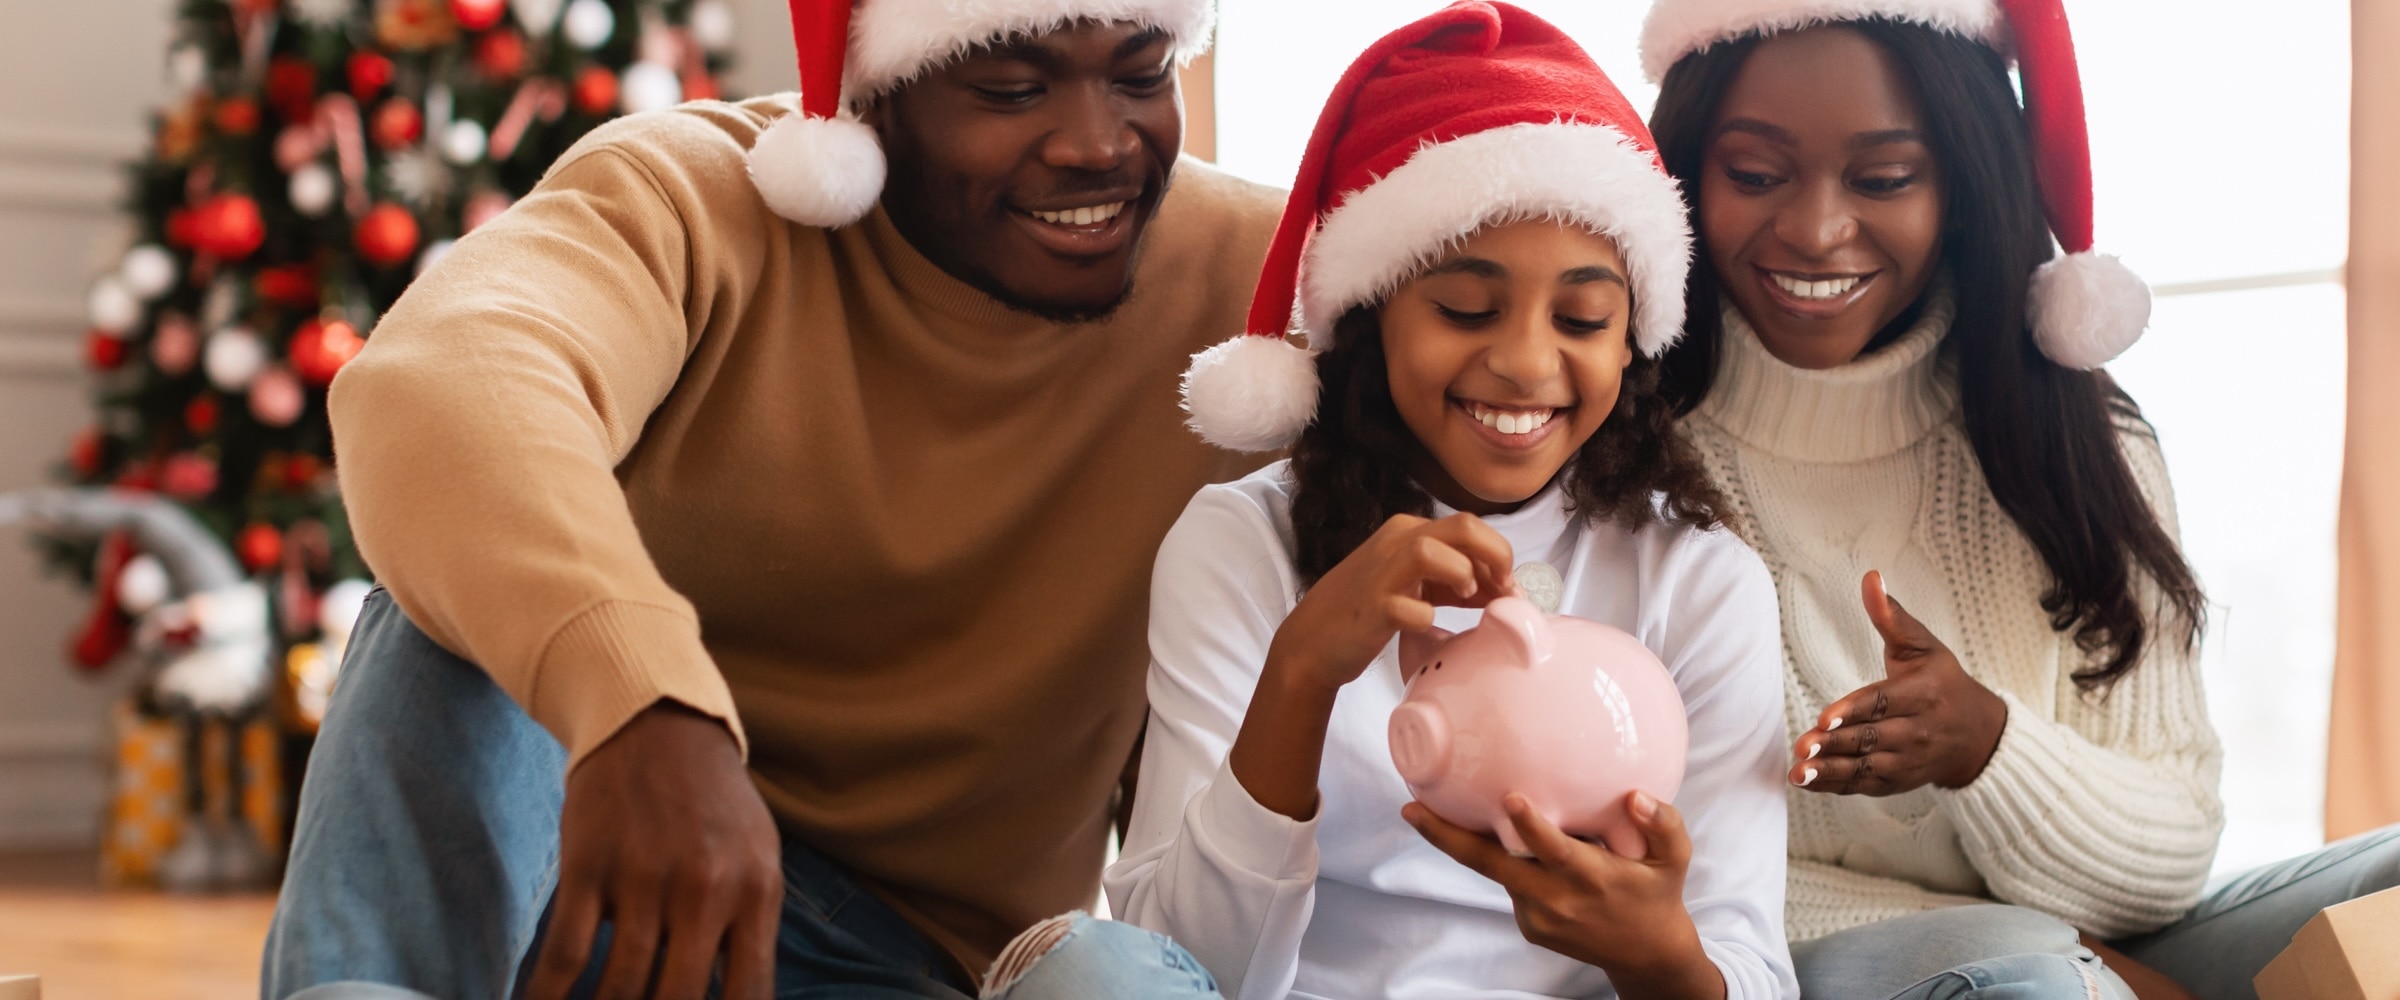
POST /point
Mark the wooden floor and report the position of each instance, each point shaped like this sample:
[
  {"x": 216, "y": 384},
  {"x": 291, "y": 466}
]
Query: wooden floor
[{"x": 92, "y": 944}]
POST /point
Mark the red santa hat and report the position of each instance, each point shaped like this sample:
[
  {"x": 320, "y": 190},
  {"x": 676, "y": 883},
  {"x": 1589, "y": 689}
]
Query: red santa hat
[
  {"x": 823, "y": 167},
  {"x": 1475, "y": 115},
  {"x": 2085, "y": 308}
]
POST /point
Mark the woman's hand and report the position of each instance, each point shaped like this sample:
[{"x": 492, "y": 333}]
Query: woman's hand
[
  {"x": 1926, "y": 723},
  {"x": 1391, "y": 583},
  {"x": 1585, "y": 902}
]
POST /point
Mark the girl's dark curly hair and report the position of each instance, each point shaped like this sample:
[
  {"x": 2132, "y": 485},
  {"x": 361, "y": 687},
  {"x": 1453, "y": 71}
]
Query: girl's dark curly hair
[{"x": 1349, "y": 471}]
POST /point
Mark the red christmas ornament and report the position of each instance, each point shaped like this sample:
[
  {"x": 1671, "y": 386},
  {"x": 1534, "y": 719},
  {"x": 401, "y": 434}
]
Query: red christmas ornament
[
  {"x": 85, "y": 454},
  {"x": 595, "y": 90},
  {"x": 259, "y": 546},
  {"x": 228, "y": 226},
  {"x": 700, "y": 87},
  {"x": 319, "y": 350},
  {"x": 369, "y": 73},
  {"x": 290, "y": 286},
  {"x": 397, "y": 125},
  {"x": 186, "y": 476},
  {"x": 237, "y": 116},
  {"x": 104, "y": 352},
  {"x": 500, "y": 55},
  {"x": 387, "y": 236},
  {"x": 300, "y": 472},
  {"x": 292, "y": 88},
  {"x": 201, "y": 414},
  {"x": 477, "y": 15}
]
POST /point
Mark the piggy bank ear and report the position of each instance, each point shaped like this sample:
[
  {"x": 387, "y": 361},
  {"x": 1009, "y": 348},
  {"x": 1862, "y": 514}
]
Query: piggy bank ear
[
  {"x": 1522, "y": 626},
  {"x": 1417, "y": 650}
]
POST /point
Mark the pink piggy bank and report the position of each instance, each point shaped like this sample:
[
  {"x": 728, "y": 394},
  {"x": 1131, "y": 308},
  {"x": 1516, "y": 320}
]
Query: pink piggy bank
[{"x": 1571, "y": 714}]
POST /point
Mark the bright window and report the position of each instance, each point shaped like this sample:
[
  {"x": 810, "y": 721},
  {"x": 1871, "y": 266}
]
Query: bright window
[{"x": 2220, "y": 145}]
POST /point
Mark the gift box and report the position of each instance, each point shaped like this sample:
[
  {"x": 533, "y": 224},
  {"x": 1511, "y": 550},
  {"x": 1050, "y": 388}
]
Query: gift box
[{"x": 2351, "y": 951}]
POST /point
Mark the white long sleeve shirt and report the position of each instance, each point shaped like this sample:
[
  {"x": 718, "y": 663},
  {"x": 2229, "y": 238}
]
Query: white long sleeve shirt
[
  {"x": 2102, "y": 811},
  {"x": 1353, "y": 904}
]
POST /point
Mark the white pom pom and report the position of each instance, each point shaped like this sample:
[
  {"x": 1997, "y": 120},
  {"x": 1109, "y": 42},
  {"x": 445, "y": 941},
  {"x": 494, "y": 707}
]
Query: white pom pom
[
  {"x": 2087, "y": 308},
  {"x": 818, "y": 171},
  {"x": 1251, "y": 393},
  {"x": 143, "y": 584}
]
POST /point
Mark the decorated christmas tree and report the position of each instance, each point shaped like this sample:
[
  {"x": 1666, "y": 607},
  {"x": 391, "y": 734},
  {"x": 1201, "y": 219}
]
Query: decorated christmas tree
[{"x": 313, "y": 157}]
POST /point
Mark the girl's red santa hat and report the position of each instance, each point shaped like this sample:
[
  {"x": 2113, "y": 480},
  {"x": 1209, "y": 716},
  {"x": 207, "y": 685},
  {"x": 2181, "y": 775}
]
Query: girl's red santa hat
[
  {"x": 2085, "y": 308},
  {"x": 1476, "y": 115},
  {"x": 823, "y": 167}
]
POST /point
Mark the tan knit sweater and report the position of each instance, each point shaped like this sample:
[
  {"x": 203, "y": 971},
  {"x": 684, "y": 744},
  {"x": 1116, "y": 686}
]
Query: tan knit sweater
[
  {"x": 2103, "y": 812},
  {"x": 639, "y": 438}
]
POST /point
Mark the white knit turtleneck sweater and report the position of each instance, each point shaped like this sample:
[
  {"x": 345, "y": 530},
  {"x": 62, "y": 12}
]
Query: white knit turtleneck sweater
[{"x": 2103, "y": 811}]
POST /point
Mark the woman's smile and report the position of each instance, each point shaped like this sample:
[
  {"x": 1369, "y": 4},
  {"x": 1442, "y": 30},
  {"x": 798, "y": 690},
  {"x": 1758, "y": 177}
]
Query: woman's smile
[{"x": 1511, "y": 427}]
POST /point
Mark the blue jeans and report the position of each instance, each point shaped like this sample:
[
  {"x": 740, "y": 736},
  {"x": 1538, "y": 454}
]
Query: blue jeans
[
  {"x": 2245, "y": 921},
  {"x": 427, "y": 848},
  {"x": 1986, "y": 952}
]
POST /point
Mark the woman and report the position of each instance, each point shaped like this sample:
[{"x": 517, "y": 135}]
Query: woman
[
  {"x": 1886, "y": 371},
  {"x": 1494, "y": 262}
]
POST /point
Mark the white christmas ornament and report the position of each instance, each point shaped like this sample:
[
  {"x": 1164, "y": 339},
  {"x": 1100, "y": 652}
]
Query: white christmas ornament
[
  {"x": 233, "y": 358},
  {"x": 322, "y": 14},
  {"x": 312, "y": 189},
  {"x": 711, "y": 22},
  {"x": 143, "y": 584},
  {"x": 113, "y": 307},
  {"x": 589, "y": 23},
  {"x": 464, "y": 142},
  {"x": 433, "y": 254},
  {"x": 537, "y": 17},
  {"x": 187, "y": 67},
  {"x": 649, "y": 86},
  {"x": 149, "y": 270}
]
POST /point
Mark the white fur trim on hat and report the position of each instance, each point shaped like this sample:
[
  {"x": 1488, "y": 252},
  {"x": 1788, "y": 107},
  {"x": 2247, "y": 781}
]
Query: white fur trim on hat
[
  {"x": 1565, "y": 171},
  {"x": 818, "y": 171},
  {"x": 1677, "y": 28},
  {"x": 892, "y": 41},
  {"x": 1252, "y": 393},
  {"x": 2087, "y": 308}
]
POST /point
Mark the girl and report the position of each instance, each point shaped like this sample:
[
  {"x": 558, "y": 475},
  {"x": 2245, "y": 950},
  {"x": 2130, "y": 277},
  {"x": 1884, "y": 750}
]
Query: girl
[
  {"x": 1493, "y": 263},
  {"x": 1886, "y": 370}
]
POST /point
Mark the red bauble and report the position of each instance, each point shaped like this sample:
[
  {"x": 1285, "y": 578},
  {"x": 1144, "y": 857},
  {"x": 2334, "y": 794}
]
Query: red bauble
[
  {"x": 292, "y": 88},
  {"x": 300, "y": 472},
  {"x": 290, "y": 286},
  {"x": 259, "y": 546},
  {"x": 369, "y": 73},
  {"x": 237, "y": 116},
  {"x": 500, "y": 55},
  {"x": 700, "y": 87},
  {"x": 201, "y": 415},
  {"x": 397, "y": 125},
  {"x": 187, "y": 476},
  {"x": 596, "y": 90},
  {"x": 85, "y": 454},
  {"x": 477, "y": 15},
  {"x": 319, "y": 350},
  {"x": 228, "y": 226},
  {"x": 387, "y": 236},
  {"x": 105, "y": 352}
]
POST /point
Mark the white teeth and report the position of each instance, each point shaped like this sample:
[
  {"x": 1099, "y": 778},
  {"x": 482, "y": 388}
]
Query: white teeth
[
  {"x": 1815, "y": 289},
  {"x": 1088, "y": 215},
  {"x": 1509, "y": 422}
]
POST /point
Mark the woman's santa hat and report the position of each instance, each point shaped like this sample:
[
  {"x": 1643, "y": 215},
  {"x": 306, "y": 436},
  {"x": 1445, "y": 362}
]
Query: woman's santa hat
[
  {"x": 823, "y": 167},
  {"x": 1475, "y": 115},
  {"x": 2086, "y": 308}
]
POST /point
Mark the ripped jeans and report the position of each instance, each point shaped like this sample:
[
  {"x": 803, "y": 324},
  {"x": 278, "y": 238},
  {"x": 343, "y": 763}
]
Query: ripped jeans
[{"x": 427, "y": 847}]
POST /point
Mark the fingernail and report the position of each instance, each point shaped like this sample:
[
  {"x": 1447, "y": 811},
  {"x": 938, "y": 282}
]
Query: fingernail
[
  {"x": 1806, "y": 776},
  {"x": 1814, "y": 749},
  {"x": 1835, "y": 724},
  {"x": 1643, "y": 806}
]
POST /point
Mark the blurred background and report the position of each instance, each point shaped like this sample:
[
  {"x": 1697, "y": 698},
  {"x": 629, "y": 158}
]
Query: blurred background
[{"x": 2222, "y": 148}]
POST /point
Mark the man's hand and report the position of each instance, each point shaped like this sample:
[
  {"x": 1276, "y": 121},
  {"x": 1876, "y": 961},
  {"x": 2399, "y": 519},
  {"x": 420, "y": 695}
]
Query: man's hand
[
  {"x": 1926, "y": 723},
  {"x": 664, "y": 836}
]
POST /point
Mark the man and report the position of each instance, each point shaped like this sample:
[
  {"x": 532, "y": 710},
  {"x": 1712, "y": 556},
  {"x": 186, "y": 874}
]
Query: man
[{"x": 871, "y": 497}]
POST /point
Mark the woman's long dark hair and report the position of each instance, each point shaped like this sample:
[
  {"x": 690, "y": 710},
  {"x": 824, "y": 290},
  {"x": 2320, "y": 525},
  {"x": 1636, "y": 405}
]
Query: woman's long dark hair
[
  {"x": 2046, "y": 436},
  {"x": 1349, "y": 467}
]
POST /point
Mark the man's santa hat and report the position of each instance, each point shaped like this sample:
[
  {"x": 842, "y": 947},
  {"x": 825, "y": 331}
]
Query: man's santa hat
[
  {"x": 823, "y": 167},
  {"x": 1475, "y": 115},
  {"x": 2085, "y": 308}
]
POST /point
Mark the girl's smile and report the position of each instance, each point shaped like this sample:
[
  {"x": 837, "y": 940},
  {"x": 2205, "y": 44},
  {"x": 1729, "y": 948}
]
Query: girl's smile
[{"x": 1514, "y": 428}]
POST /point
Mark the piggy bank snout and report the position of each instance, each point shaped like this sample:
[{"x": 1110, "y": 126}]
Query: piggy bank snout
[{"x": 1420, "y": 737}]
